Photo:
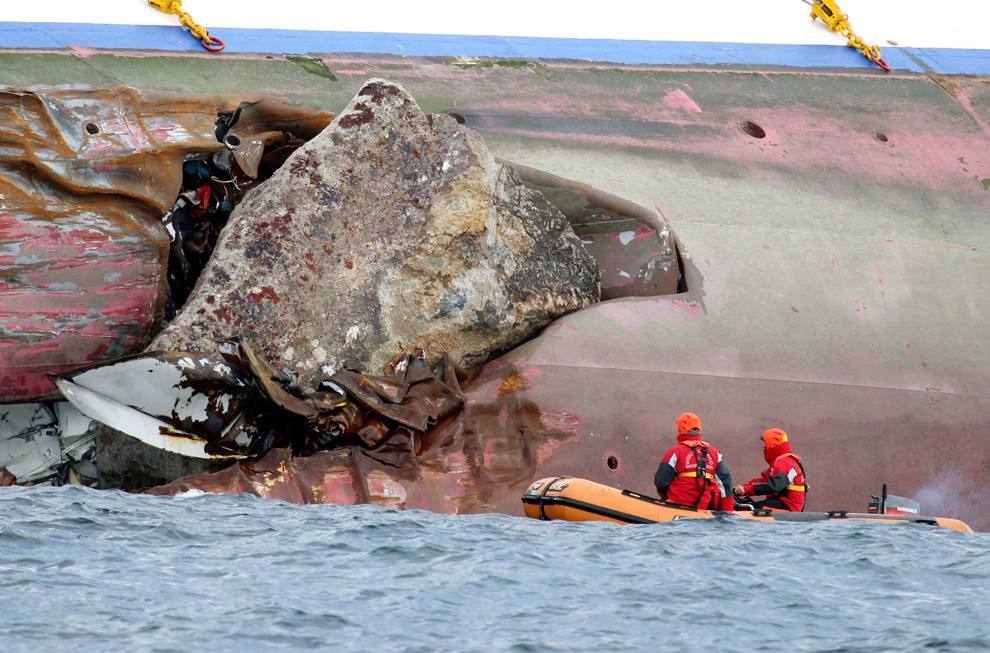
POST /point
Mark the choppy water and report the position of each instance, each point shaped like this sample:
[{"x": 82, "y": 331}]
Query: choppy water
[{"x": 106, "y": 571}]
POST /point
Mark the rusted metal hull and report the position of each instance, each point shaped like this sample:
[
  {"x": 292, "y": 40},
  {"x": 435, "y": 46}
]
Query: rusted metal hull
[
  {"x": 85, "y": 177},
  {"x": 836, "y": 284},
  {"x": 464, "y": 465}
]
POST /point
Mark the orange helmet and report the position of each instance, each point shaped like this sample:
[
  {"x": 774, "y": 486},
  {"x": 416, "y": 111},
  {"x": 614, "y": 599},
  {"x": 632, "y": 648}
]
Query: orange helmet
[
  {"x": 688, "y": 422},
  {"x": 774, "y": 438}
]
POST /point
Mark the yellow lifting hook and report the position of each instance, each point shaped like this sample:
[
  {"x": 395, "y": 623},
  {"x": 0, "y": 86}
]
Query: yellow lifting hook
[
  {"x": 211, "y": 43},
  {"x": 836, "y": 21}
]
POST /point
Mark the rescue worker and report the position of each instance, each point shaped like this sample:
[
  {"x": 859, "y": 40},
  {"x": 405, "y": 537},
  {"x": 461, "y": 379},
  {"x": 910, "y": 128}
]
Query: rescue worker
[
  {"x": 692, "y": 472},
  {"x": 783, "y": 484}
]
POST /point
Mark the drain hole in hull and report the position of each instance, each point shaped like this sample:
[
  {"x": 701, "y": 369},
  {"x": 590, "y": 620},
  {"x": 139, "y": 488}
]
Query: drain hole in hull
[{"x": 752, "y": 129}]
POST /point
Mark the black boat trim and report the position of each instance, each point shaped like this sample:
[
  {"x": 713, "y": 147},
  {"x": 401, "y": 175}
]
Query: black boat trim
[
  {"x": 626, "y": 518},
  {"x": 661, "y": 502},
  {"x": 587, "y": 507}
]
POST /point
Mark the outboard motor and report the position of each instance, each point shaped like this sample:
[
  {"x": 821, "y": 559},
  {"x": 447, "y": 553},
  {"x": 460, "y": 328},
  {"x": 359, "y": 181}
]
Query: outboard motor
[{"x": 889, "y": 504}]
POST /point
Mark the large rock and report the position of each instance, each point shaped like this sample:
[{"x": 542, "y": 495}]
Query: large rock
[
  {"x": 391, "y": 229},
  {"x": 126, "y": 463}
]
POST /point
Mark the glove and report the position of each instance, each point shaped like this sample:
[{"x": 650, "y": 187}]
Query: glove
[{"x": 739, "y": 491}]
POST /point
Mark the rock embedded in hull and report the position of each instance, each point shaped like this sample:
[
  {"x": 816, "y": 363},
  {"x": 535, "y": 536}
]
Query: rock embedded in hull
[
  {"x": 391, "y": 229},
  {"x": 126, "y": 463}
]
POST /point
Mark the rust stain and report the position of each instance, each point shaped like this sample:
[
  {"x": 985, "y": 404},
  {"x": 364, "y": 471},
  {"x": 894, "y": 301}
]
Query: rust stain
[{"x": 513, "y": 383}]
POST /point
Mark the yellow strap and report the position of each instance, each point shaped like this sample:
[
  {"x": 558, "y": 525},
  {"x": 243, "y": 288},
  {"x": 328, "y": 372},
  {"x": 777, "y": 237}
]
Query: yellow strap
[
  {"x": 796, "y": 488},
  {"x": 175, "y": 7},
  {"x": 836, "y": 21},
  {"x": 692, "y": 475}
]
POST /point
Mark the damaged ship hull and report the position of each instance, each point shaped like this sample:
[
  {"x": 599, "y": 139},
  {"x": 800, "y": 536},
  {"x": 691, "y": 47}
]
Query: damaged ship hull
[{"x": 834, "y": 285}]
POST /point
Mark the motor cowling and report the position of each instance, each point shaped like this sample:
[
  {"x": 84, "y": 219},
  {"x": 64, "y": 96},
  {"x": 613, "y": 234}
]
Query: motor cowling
[{"x": 893, "y": 505}]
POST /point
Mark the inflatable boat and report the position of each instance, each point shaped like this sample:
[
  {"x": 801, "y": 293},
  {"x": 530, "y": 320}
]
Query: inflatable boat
[{"x": 576, "y": 499}]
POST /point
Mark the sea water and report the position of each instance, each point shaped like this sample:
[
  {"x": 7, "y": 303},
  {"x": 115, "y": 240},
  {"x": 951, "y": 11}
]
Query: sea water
[{"x": 91, "y": 570}]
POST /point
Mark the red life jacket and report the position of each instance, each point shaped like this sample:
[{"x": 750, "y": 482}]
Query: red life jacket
[
  {"x": 795, "y": 495},
  {"x": 695, "y": 484}
]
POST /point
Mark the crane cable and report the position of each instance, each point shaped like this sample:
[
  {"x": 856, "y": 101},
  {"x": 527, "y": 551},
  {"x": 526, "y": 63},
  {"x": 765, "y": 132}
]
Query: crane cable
[
  {"x": 211, "y": 43},
  {"x": 836, "y": 21}
]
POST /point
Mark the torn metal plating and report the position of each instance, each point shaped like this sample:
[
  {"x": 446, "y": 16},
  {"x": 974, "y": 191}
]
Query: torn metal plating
[
  {"x": 253, "y": 143},
  {"x": 48, "y": 441},
  {"x": 234, "y": 405},
  {"x": 85, "y": 177},
  {"x": 86, "y": 242}
]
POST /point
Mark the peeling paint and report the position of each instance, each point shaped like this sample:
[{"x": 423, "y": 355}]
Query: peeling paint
[{"x": 678, "y": 99}]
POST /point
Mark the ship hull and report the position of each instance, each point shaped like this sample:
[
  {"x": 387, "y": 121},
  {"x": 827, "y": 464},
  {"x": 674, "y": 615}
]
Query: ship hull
[{"x": 835, "y": 266}]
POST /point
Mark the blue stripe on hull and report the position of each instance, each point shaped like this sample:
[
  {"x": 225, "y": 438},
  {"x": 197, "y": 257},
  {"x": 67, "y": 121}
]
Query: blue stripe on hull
[{"x": 149, "y": 37}]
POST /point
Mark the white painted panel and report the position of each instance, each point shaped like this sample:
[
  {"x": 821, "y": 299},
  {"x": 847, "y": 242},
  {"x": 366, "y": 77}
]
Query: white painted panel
[{"x": 133, "y": 422}]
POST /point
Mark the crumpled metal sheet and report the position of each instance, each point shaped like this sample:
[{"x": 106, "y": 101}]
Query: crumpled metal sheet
[
  {"x": 46, "y": 441},
  {"x": 470, "y": 462},
  {"x": 186, "y": 403},
  {"x": 85, "y": 177},
  {"x": 234, "y": 405},
  {"x": 418, "y": 404}
]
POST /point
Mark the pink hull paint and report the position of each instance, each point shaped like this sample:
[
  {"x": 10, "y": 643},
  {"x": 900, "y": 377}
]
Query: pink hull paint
[
  {"x": 678, "y": 99},
  {"x": 91, "y": 294}
]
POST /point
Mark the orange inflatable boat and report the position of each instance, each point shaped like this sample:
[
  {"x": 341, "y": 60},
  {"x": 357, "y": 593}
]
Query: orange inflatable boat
[{"x": 576, "y": 499}]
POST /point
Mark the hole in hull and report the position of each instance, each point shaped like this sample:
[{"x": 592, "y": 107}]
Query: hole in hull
[
  {"x": 752, "y": 129},
  {"x": 637, "y": 255}
]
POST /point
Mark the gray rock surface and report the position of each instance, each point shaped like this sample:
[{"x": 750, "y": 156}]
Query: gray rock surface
[
  {"x": 126, "y": 463},
  {"x": 391, "y": 229}
]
